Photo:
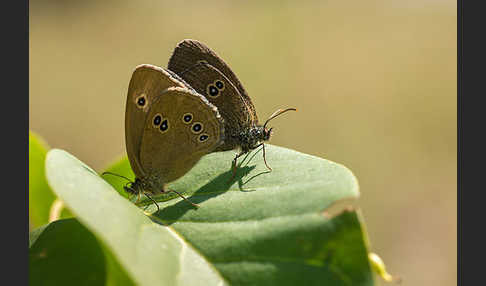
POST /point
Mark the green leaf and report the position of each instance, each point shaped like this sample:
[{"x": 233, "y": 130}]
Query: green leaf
[
  {"x": 40, "y": 195},
  {"x": 64, "y": 252},
  {"x": 151, "y": 254},
  {"x": 116, "y": 273},
  {"x": 263, "y": 228}
]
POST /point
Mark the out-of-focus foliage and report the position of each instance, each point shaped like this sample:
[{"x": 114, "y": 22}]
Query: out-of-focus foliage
[{"x": 40, "y": 195}]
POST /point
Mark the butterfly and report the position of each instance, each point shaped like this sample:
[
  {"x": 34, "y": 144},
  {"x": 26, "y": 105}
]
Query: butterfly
[
  {"x": 209, "y": 75},
  {"x": 168, "y": 128}
]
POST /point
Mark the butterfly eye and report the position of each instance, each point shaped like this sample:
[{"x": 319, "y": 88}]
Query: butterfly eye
[
  {"x": 141, "y": 100},
  {"x": 164, "y": 126},
  {"x": 219, "y": 84},
  {"x": 212, "y": 91},
  {"x": 157, "y": 120},
  {"x": 197, "y": 127},
  {"x": 187, "y": 118},
  {"x": 203, "y": 137}
]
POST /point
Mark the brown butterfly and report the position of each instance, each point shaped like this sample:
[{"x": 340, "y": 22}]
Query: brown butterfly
[
  {"x": 210, "y": 76},
  {"x": 168, "y": 128}
]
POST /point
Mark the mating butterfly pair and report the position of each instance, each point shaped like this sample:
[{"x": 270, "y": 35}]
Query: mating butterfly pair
[{"x": 175, "y": 116}]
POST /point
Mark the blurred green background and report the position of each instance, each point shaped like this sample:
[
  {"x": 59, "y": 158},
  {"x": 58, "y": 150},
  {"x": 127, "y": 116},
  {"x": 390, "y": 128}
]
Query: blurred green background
[{"x": 374, "y": 83}]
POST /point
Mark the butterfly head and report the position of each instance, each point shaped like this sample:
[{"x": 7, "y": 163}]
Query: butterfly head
[
  {"x": 266, "y": 134},
  {"x": 133, "y": 188}
]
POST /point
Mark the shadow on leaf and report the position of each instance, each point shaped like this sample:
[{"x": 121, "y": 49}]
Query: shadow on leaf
[{"x": 215, "y": 187}]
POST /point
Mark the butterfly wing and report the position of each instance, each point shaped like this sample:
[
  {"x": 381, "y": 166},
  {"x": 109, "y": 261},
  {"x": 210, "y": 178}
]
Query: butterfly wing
[
  {"x": 146, "y": 84},
  {"x": 180, "y": 128},
  {"x": 189, "y": 53},
  {"x": 221, "y": 92}
]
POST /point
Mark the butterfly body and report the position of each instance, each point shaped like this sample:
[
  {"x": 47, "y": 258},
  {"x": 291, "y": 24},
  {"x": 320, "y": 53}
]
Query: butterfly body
[{"x": 250, "y": 138}]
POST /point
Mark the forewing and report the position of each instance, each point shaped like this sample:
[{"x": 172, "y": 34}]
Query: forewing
[
  {"x": 220, "y": 91},
  {"x": 189, "y": 53}
]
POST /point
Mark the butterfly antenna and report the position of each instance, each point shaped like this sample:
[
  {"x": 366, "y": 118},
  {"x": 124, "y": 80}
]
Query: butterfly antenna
[
  {"x": 110, "y": 173},
  {"x": 277, "y": 113}
]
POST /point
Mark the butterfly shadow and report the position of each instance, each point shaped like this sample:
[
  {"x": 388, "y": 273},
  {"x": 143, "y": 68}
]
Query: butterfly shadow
[
  {"x": 240, "y": 181},
  {"x": 221, "y": 183},
  {"x": 213, "y": 188}
]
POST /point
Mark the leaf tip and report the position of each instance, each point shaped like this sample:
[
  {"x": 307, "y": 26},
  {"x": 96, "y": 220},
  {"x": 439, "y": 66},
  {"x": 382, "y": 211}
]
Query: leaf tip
[{"x": 379, "y": 268}]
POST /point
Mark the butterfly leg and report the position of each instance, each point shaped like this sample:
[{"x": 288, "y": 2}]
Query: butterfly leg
[
  {"x": 264, "y": 157},
  {"x": 233, "y": 164},
  {"x": 148, "y": 196},
  {"x": 180, "y": 195}
]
